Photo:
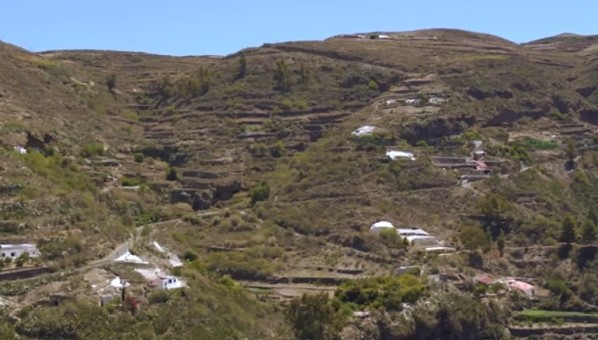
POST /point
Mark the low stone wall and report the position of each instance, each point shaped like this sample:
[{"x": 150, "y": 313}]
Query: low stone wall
[{"x": 24, "y": 273}]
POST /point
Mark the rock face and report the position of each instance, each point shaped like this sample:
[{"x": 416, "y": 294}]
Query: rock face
[{"x": 205, "y": 198}]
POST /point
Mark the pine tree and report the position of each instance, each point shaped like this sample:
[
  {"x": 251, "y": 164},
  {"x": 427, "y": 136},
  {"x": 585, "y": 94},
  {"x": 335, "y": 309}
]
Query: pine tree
[
  {"x": 500, "y": 243},
  {"x": 568, "y": 230},
  {"x": 588, "y": 233}
]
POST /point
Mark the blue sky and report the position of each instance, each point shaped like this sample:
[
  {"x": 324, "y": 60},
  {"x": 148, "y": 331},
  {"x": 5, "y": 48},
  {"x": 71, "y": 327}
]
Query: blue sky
[{"x": 185, "y": 27}]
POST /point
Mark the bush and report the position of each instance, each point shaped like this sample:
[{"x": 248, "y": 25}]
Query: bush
[
  {"x": 139, "y": 157},
  {"x": 383, "y": 291},
  {"x": 171, "y": 174},
  {"x": 260, "y": 192},
  {"x": 474, "y": 238},
  {"x": 93, "y": 149},
  {"x": 313, "y": 317},
  {"x": 159, "y": 296}
]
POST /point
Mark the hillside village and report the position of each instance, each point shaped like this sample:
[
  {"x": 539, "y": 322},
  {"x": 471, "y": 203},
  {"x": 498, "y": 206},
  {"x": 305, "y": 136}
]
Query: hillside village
[{"x": 407, "y": 184}]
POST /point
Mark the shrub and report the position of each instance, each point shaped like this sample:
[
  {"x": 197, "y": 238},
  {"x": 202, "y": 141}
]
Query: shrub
[
  {"x": 189, "y": 255},
  {"x": 474, "y": 238},
  {"x": 171, "y": 174},
  {"x": 93, "y": 149},
  {"x": 314, "y": 317},
  {"x": 260, "y": 192},
  {"x": 139, "y": 157},
  {"x": 382, "y": 291},
  {"x": 111, "y": 82},
  {"x": 372, "y": 85}
]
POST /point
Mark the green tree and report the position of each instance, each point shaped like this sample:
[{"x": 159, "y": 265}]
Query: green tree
[
  {"x": 474, "y": 238},
  {"x": 21, "y": 260},
  {"x": 138, "y": 157},
  {"x": 372, "y": 85},
  {"x": 500, "y": 243},
  {"x": 570, "y": 149},
  {"x": 282, "y": 76},
  {"x": 260, "y": 192},
  {"x": 313, "y": 318},
  {"x": 568, "y": 235},
  {"x": 304, "y": 75},
  {"x": 588, "y": 233},
  {"x": 171, "y": 174},
  {"x": 111, "y": 82},
  {"x": 242, "y": 67}
]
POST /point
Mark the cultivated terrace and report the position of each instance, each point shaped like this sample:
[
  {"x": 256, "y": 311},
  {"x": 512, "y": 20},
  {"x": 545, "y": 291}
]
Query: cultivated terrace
[{"x": 435, "y": 184}]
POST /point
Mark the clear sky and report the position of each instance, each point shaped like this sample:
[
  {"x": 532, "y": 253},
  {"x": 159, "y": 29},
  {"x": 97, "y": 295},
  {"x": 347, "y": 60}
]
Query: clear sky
[{"x": 186, "y": 27}]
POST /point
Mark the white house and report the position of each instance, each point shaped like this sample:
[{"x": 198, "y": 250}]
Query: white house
[
  {"x": 404, "y": 232},
  {"x": 168, "y": 282},
  {"x": 436, "y": 100},
  {"x": 158, "y": 279},
  {"x": 364, "y": 131},
  {"x": 413, "y": 101},
  {"x": 377, "y": 227},
  {"x": 394, "y": 154},
  {"x": 16, "y": 250}
]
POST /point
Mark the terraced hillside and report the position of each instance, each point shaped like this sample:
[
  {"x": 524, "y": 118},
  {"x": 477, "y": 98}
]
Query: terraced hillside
[{"x": 248, "y": 165}]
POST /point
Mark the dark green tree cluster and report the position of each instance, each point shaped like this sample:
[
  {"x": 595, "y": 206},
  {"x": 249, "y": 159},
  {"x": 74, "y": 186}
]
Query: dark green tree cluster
[
  {"x": 313, "y": 317},
  {"x": 260, "y": 192},
  {"x": 389, "y": 292}
]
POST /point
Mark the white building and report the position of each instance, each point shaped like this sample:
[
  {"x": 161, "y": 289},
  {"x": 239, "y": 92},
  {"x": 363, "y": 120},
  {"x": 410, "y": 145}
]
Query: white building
[
  {"x": 394, "y": 154},
  {"x": 365, "y": 130},
  {"x": 158, "y": 279},
  {"x": 413, "y": 101},
  {"x": 16, "y": 250},
  {"x": 436, "y": 100},
  {"x": 404, "y": 232},
  {"x": 168, "y": 282},
  {"x": 379, "y": 226}
]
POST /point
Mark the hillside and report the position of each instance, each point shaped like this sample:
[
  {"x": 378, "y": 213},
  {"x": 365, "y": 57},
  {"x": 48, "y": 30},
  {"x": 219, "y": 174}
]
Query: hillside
[{"x": 247, "y": 167}]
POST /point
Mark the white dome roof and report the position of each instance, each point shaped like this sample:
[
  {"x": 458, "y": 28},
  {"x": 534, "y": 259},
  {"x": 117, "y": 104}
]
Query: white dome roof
[{"x": 382, "y": 224}]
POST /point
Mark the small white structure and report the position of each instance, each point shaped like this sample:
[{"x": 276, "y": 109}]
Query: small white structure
[
  {"x": 421, "y": 240},
  {"x": 365, "y": 130},
  {"x": 168, "y": 282},
  {"x": 158, "y": 279},
  {"x": 130, "y": 258},
  {"x": 175, "y": 261},
  {"x": 159, "y": 247},
  {"x": 20, "y": 150},
  {"x": 413, "y": 101},
  {"x": 436, "y": 100},
  {"x": 521, "y": 286},
  {"x": 394, "y": 154},
  {"x": 404, "y": 232},
  {"x": 16, "y": 250},
  {"x": 117, "y": 282},
  {"x": 440, "y": 249},
  {"x": 390, "y": 101},
  {"x": 383, "y": 36},
  {"x": 377, "y": 227}
]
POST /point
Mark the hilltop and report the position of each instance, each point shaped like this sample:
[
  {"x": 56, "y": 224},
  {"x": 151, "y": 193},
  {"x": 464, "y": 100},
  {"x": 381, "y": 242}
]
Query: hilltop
[{"x": 248, "y": 167}]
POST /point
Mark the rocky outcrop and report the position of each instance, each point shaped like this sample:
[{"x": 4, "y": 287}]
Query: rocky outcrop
[
  {"x": 200, "y": 199},
  {"x": 433, "y": 130}
]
